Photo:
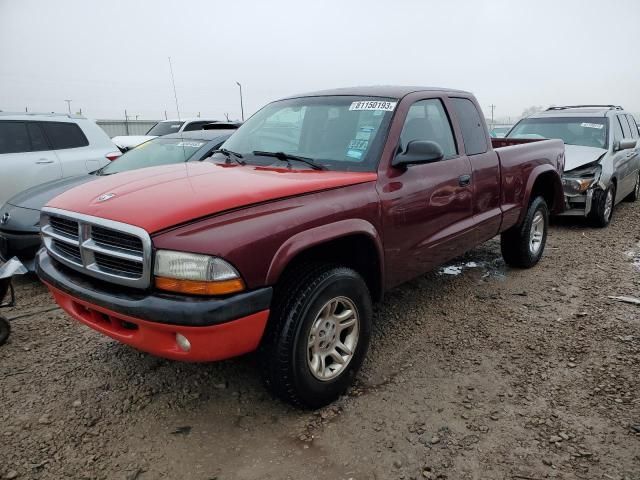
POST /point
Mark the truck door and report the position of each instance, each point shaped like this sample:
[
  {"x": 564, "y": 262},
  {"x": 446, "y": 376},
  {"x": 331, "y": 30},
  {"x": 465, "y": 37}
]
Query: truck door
[
  {"x": 485, "y": 166},
  {"x": 427, "y": 208}
]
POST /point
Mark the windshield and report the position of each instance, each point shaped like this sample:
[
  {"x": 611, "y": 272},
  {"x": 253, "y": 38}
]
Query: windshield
[
  {"x": 159, "y": 151},
  {"x": 586, "y": 131},
  {"x": 336, "y": 132},
  {"x": 165, "y": 128}
]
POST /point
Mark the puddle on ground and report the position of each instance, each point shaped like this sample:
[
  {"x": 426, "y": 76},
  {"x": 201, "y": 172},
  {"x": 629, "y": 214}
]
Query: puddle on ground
[
  {"x": 493, "y": 268},
  {"x": 634, "y": 257}
]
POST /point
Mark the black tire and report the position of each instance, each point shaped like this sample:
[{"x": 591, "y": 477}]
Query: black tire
[
  {"x": 285, "y": 349},
  {"x": 5, "y": 330},
  {"x": 515, "y": 243},
  {"x": 635, "y": 194},
  {"x": 598, "y": 215}
]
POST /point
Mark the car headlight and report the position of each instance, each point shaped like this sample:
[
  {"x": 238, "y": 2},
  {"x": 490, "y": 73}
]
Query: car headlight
[
  {"x": 580, "y": 180},
  {"x": 195, "y": 274}
]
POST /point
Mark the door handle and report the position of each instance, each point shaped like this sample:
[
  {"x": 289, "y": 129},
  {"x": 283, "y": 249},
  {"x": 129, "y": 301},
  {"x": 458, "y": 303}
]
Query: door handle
[
  {"x": 44, "y": 160},
  {"x": 464, "y": 180}
]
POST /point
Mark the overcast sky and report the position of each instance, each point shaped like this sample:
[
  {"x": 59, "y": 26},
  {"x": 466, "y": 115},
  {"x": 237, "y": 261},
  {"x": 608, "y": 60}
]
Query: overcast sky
[{"x": 111, "y": 55}]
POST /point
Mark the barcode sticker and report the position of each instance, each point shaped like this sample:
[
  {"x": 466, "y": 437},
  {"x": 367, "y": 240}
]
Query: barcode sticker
[
  {"x": 599, "y": 126},
  {"x": 373, "y": 105}
]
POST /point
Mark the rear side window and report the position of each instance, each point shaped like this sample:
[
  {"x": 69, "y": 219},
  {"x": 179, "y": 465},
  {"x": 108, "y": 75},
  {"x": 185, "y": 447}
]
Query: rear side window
[
  {"x": 472, "y": 126},
  {"x": 625, "y": 126},
  {"x": 633, "y": 126},
  {"x": 64, "y": 135},
  {"x": 14, "y": 137},
  {"x": 38, "y": 141}
]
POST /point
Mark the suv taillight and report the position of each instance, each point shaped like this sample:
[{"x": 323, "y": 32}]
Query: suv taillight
[{"x": 113, "y": 156}]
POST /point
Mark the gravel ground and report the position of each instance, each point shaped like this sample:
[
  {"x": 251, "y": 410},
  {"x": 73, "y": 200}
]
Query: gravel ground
[{"x": 492, "y": 373}]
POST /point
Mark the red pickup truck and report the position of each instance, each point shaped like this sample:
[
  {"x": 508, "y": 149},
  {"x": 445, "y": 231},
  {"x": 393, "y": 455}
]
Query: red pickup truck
[{"x": 314, "y": 208}]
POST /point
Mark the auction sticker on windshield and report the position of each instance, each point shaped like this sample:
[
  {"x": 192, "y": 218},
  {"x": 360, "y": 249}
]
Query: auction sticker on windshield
[
  {"x": 373, "y": 105},
  {"x": 599, "y": 126},
  {"x": 190, "y": 144}
]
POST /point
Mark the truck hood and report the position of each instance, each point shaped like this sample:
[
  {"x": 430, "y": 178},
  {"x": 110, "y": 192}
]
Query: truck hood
[
  {"x": 578, "y": 155},
  {"x": 160, "y": 197},
  {"x": 129, "y": 141},
  {"x": 37, "y": 197}
]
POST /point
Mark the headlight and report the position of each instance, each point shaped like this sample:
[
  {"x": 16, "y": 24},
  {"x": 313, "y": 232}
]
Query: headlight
[
  {"x": 579, "y": 180},
  {"x": 195, "y": 274}
]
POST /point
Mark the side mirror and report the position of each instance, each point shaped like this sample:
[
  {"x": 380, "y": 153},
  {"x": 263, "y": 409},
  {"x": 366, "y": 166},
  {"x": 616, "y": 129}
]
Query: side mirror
[
  {"x": 626, "y": 144},
  {"x": 419, "y": 151}
]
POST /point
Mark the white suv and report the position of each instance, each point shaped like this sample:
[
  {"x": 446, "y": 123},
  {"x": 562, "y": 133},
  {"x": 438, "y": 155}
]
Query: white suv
[
  {"x": 165, "y": 127},
  {"x": 38, "y": 148}
]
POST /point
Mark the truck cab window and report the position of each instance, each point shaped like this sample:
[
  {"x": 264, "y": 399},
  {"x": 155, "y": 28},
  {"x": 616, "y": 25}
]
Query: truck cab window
[
  {"x": 472, "y": 125},
  {"x": 427, "y": 120}
]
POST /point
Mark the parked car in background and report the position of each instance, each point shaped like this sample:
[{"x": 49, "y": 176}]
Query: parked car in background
[
  {"x": 602, "y": 155},
  {"x": 20, "y": 216},
  {"x": 165, "y": 127},
  {"x": 38, "y": 148},
  {"x": 317, "y": 205},
  {"x": 499, "y": 131}
]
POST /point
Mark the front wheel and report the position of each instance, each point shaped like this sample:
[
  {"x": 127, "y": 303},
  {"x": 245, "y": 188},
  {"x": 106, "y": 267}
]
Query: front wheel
[
  {"x": 522, "y": 245},
  {"x": 318, "y": 335},
  {"x": 602, "y": 206},
  {"x": 635, "y": 195}
]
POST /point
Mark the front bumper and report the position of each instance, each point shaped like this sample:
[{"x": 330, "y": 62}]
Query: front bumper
[
  {"x": 21, "y": 245},
  {"x": 578, "y": 205},
  {"x": 217, "y": 328}
]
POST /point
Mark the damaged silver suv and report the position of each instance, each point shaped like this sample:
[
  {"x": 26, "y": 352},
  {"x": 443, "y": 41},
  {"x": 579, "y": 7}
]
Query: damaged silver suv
[{"x": 602, "y": 155}]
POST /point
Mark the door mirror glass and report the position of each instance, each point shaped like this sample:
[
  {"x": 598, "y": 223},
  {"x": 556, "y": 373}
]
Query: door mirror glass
[{"x": 419, "y": 151}]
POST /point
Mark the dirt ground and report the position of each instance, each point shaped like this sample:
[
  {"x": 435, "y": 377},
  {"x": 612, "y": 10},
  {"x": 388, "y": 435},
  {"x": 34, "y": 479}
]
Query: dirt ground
[{"x": 492, "y": 373}]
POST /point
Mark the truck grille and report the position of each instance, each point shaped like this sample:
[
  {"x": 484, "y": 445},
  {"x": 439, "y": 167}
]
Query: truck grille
[
  {"x": 64, "y": 226},
  {"x": 111, "y": 251}
]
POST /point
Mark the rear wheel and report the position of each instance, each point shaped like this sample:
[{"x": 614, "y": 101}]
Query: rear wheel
[
  {"x": 522, "y": 246},
  {"x": 318, "y": 335},
  {"x": 635, "y": 195},
  {"x": 602, "y": 206},
  {"x": 5, "y": 330}
]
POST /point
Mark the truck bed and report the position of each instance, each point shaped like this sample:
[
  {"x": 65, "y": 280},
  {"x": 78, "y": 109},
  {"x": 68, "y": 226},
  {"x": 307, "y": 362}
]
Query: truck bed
[{"x": 518, "y": 159}]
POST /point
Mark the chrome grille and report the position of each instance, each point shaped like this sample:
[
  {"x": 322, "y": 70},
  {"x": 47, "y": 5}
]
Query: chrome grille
[
  {"x": 104, "y": 249},
  {"x": 111, "y": 238},
  {"x": 64, "y": 226}
]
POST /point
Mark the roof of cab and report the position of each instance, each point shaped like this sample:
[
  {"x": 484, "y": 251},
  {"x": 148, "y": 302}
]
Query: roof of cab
[{"x": 388, "y": 91}]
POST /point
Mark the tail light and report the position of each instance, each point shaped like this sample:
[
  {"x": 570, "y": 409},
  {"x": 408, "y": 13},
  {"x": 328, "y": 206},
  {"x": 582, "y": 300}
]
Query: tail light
[{"x": 113, "y": 156}]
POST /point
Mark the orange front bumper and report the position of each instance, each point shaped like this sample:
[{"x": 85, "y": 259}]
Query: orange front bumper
[{"x": 207, "y": 343}]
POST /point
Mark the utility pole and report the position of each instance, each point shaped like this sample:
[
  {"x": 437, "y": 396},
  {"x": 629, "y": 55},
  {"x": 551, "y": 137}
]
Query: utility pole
[
  {"x": 175, "y": 95},
  {"x": 492, "y": 107},
  {"x": 241, "y": 105},
  {"x": 126, "y": 122},
  {"x": 68, "y": 106}
]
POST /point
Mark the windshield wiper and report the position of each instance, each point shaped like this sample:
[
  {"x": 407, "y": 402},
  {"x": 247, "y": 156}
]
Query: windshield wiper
[
  {"x": 230, "y": 155},
  {"x": 285, "y": 157}
]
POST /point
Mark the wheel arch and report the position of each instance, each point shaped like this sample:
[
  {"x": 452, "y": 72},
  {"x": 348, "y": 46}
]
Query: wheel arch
[
  {"x": 354, "y": 243},
  {"x": 545, "y": 181}
]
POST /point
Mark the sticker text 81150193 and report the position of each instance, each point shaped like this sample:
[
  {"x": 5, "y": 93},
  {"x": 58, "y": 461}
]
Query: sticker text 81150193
[{"x": 373, "y": 105}]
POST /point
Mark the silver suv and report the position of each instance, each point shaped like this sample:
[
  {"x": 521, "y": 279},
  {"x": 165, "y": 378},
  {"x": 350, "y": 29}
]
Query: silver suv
[
  {"x": 602, "y": 158},
  {"x": 38, "y": 148}
]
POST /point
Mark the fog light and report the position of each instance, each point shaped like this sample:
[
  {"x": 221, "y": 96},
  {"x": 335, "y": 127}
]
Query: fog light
[{"x": 183, "y": 342}]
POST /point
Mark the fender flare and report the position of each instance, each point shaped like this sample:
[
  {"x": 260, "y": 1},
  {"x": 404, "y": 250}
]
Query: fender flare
[
  {"x": 312, "y": 237},
  {"x": 558, "y": 191}
]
